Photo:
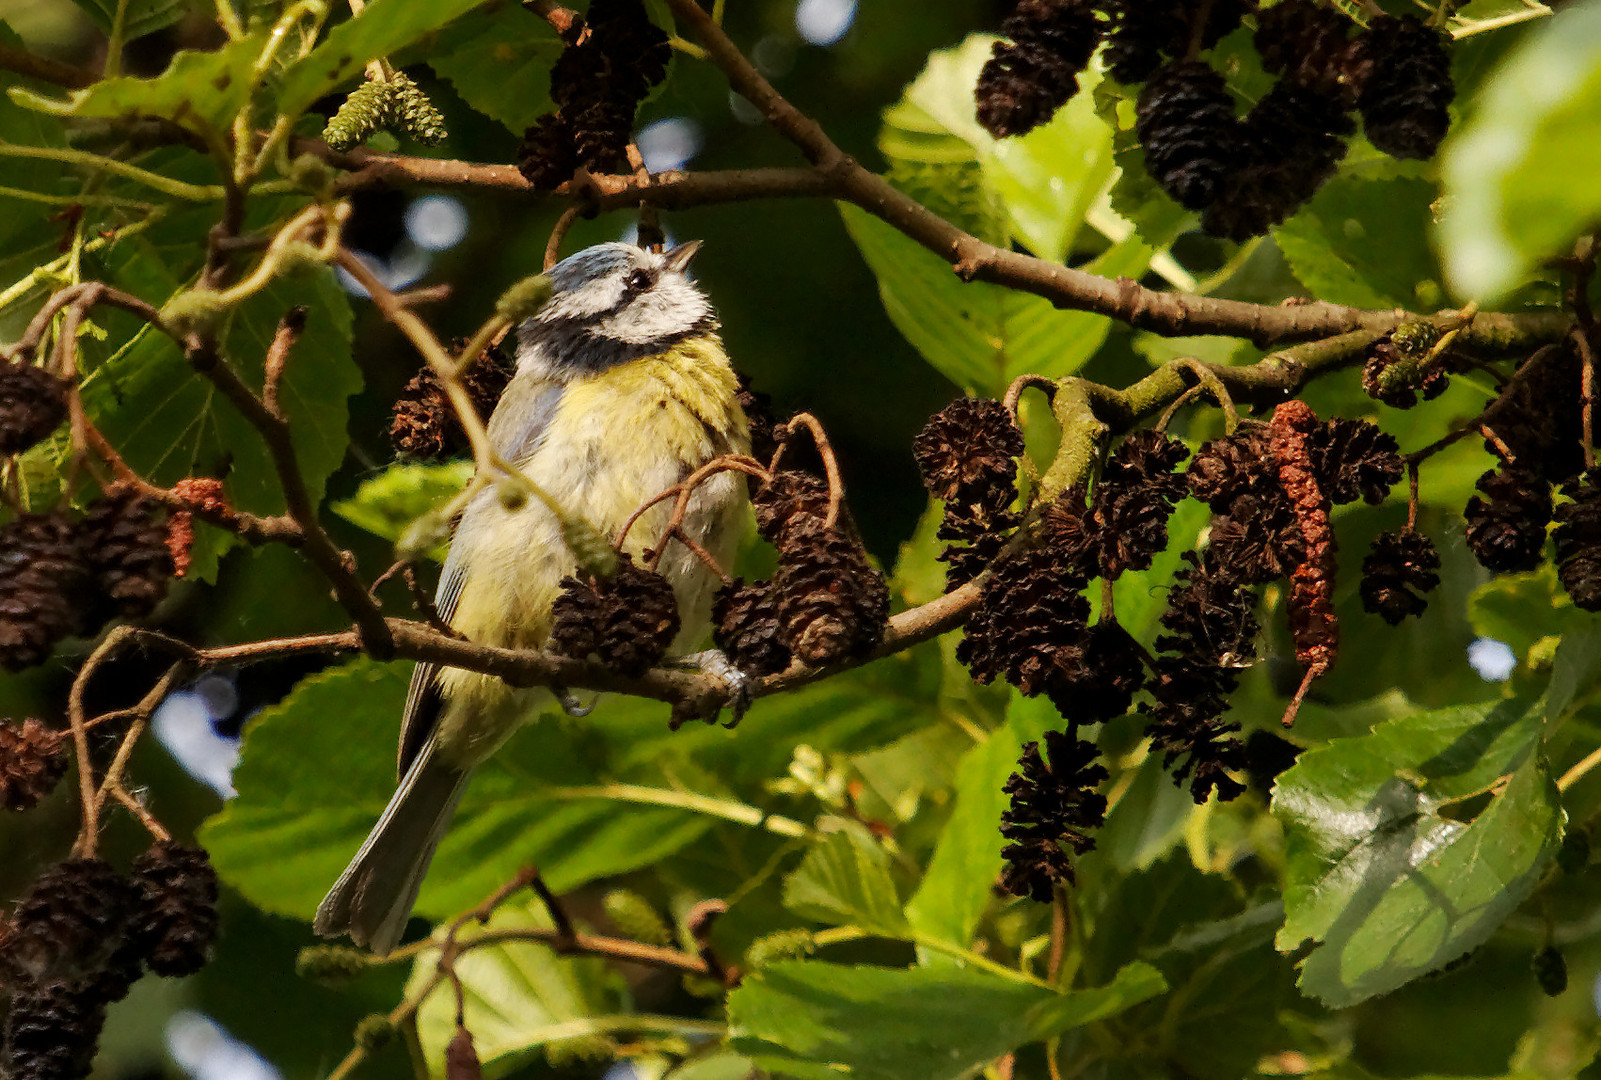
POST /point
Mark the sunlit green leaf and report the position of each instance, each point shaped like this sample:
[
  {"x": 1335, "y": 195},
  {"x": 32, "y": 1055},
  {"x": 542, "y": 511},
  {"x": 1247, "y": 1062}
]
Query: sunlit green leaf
[
  {"x": 1395, "y": 869},
  {"x": 1047, "y": 179},
  {"x": 386, "y": 504},
  {"x": 980, "y": 336},
  {"x": 845, "y": 879},
  {"x": 961, "y": 874},
  {"x": 1365, "y": 243},
  {"x": 202, "y": 91},
  {"x": 814, "y": 1020},
  {"x": 499, "y": 61},
  {"x": 1509, "y": 171},
  {"x": 383, "y": 27},
  {"x": 518, "y": 996}
]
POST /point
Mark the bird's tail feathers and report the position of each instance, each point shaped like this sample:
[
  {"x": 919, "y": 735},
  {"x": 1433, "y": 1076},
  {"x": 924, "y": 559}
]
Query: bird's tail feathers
[{"x": 373, "y": 898}]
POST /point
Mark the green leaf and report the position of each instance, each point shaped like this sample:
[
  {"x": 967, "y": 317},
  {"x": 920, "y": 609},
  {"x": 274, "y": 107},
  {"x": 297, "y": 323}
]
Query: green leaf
[
  {"x": 499, "y": 61},
  {"x": 845, "y": 879},
  {"x": 1047, "y": 179},
  {"x": 815, "y": 1020},
  {"x": 169, "y": 422},
  {"x": 139, "y": 17},
  {"x": 1576, "y": 665},
  {"x": 517, "y": 996},
  {"x": 202, "y": 91},
  {"x": 1510, "y": 171},
  {"x": 1365, "y": 243},
  {"x": 1387, "y": 875},
  {"x": 980, "y": 336},
  {"x": 385, "y": 504},
  {"x": 1147, "y": 819},
  {"x": 1519, "y": 609},
  {"x": 317, "y": 769},
  {"x": 383, "y": 27},
  {"x": 957, "y": 888}
]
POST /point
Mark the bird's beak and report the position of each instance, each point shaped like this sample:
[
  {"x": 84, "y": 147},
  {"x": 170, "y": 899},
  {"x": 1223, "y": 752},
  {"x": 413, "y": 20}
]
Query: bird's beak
[{"x": 679, "y": 257}]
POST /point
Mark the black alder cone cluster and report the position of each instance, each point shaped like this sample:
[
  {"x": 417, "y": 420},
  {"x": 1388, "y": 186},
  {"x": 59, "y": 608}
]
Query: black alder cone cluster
[
  {"x": 33, "y": 403},
  {"x": 825, "y": 602},
  {"x": 33, "y": 760},
  {"x": 62, "y": 574},
  {"x": 1244, "y": 174},
  {"x": 423, "y": 424},
  {"x": 82, "y": 936},
  {"x": 1536, "y": 431},
  {"x": 614, "y": 55},
  {"x": 627, "y": 620},
  {"x": 1031, "y": 624}
]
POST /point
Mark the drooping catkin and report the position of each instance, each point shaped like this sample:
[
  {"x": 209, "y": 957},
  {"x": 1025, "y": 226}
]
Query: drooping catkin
[{"x": 1313, "y": 623}]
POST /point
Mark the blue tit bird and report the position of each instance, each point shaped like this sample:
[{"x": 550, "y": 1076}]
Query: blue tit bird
[{"x": 622, "y": 388}]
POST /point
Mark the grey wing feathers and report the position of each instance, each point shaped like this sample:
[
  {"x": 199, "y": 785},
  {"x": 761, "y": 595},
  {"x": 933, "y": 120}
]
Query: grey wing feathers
[
  {"x": 516, "y": 429},
  {"x": 422, "y": 699}
]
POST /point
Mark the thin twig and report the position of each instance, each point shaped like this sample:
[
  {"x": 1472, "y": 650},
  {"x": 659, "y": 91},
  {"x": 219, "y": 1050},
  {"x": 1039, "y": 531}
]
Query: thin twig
[
  {"x": 290, "y": 327},
  {"x": 559, "y": 233},
  {"x": 836, "y": 486}
]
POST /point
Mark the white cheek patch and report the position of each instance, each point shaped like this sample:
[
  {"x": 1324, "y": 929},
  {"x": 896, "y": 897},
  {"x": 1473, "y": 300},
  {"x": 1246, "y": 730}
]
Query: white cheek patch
[{"x": 672, "y": 308}]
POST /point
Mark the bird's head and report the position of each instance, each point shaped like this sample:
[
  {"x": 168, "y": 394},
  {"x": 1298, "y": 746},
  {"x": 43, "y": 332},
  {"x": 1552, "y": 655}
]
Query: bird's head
[{"x": 612, "y": 303}]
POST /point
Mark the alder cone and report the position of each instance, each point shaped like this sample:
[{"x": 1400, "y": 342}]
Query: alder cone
[
  {"x": 1506, "y": 528},
  {"x": 44, "y": 582},
  {"x": 423, "y": 424},
  {"x": 1310, "y": 44},
  {"x": 970, "y": 448},
  {"x": 1134, "y": 498},
  {"x": 125, "y": 540},
  {"x": 1408, "y": 91},
  {"x": 1053, "y": 802},
  {"x": 745, "y": 626},
  {"x": 178, "y": 923},
  {"x": 758, "y": 409},
  {"x": 1102, "y": 685},
  {"x": 1031, "y": 76},
  {"x": 75, "y": 919},
  {"x": 1354, "y": 459},
  {"x": 1143, "y": 33},
  {"x": 794, "y": 504},
  {"x": 1397, "y": 571},
  {"x": 1578, "y": 539},
  {"x": 33, "y": 760},
  {"x": 1186, "y": 123},
  {"x": 548, "y": 154},
  {"x": 628, "y": 620},
  {"x": 1030, "y": 621},
  {"x": 832, "y": 603},
  {"x": 51, "y": 1033},
  {"x": 1293, "y": 139},
  {"x": 33, "y": 403}
]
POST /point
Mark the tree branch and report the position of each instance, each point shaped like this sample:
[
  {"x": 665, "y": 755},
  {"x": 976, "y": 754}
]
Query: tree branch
[{"x": 38, "y": 67}]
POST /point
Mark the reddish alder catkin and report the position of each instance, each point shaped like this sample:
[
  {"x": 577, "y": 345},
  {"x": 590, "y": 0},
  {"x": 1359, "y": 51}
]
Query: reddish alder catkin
[{"x": 1313, "y": 624}]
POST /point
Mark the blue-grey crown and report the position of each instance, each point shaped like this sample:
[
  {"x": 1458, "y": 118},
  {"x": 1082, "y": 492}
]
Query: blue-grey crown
[{"x": 598, "y": 317}]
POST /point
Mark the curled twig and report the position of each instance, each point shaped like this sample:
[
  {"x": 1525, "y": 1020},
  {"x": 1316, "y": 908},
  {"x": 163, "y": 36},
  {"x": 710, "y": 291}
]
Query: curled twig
[{"x": 836, "y": 486}]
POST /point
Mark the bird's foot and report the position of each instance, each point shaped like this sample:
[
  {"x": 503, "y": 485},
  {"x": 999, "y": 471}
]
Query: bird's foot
[
  {"x": 715, "y": 663},
  {"x": 570, "y": 704}
]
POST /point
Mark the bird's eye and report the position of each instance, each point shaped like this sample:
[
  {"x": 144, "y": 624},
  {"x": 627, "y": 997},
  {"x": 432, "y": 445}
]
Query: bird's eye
[{"x": 638, "y": 281}]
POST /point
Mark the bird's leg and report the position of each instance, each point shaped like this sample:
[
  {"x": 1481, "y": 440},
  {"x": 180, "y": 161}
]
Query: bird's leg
[
  {"x": 715, "y": 662},
  {"x": 570, "y": 703}
]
